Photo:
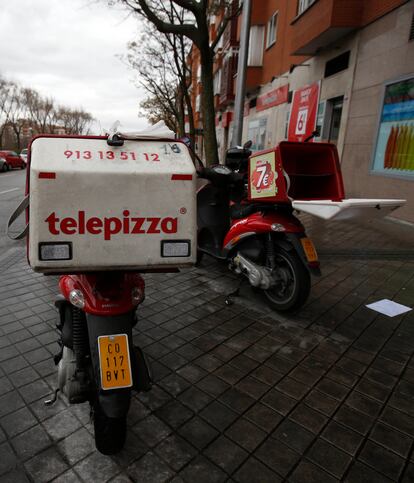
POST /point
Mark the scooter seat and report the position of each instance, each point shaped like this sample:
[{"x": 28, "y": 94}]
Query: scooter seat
[{"x": 238, "y": 211}]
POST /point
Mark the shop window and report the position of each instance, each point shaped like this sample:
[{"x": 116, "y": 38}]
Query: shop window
[
  {"x": 304, "y": 5},
  {"x": 335, "y": 106},
  {"x": 287, "y": 118},
  {"x": 337, "y": 64},
  {"x": 255, "y": 55},
  {"x": 328, "y": 119},
  {"x": 271, "y": 30},
  {"x": 257, "y": 133},
  {"x": 320, "y": 119},
  {"x": 394, "y": 150}
]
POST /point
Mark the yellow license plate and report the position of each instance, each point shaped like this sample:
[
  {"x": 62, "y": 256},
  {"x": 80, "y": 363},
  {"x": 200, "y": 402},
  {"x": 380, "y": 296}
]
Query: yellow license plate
[
  {"x": 114, "y": 361},
  {"x": 309, "y": 250}
]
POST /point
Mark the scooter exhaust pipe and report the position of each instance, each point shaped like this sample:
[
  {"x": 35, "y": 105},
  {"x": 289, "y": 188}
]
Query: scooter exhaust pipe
[{"x": 258, "y": 276}]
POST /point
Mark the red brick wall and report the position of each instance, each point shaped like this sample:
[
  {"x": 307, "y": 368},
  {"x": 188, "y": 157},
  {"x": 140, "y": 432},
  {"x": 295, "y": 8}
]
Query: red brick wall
[{"x": 277, "y": 58}]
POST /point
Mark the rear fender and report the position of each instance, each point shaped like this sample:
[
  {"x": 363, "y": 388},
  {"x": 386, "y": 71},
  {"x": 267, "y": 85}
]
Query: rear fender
[
  {"x": 291, "y": 241},
  {"x": 115, "y": 403}
]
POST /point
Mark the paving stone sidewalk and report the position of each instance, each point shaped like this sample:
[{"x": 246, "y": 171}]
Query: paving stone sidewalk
[{"x": 242, "y": 394}]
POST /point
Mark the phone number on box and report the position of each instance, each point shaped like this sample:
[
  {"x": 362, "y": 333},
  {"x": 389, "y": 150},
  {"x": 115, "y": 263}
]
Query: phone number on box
[{"x": 123, "y": 155}]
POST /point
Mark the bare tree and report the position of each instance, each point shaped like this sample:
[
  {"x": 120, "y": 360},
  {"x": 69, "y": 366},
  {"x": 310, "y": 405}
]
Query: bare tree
[
  {"x": 156, "y": 110},
  {"x": 6, "y": 89},
  {"x": 163, "y": 71},
  {"x": 74, "y": 121},
  {"x": 22, "y": 108},
  {"x": 150, "y": 58},
  {"x": 40, "y": 110},
  {"x": 195, "y": 26},
  {"x": 17, "y": 113}
]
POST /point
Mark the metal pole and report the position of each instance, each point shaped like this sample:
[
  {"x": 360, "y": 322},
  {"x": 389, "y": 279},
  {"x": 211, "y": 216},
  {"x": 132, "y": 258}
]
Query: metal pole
[{"x": 241, "y": 74}]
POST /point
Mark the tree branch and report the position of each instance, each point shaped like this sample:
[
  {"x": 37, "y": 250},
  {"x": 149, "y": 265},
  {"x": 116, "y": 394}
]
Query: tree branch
[
  {"x": 223, "y": 26},
  {"x": 188, "y": 30}
]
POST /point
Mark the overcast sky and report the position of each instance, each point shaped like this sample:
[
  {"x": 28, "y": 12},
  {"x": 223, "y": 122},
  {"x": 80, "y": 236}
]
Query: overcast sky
[{"x": 67, "y": 49}]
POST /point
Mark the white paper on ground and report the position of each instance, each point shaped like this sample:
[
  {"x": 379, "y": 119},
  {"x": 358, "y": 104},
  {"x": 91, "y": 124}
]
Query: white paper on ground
[{"x": 388, "y": 307}]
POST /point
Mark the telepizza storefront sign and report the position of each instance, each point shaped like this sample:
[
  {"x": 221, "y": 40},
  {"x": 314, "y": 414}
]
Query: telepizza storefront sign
[
  {"x": 273, "y": 98},
  {"x": 303, "y": 112}
]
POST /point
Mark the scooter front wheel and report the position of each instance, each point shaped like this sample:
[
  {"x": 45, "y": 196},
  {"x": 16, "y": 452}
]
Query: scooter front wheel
[
  {"x": 110, "y": 433},
  {"x": 293, "y": 283}
]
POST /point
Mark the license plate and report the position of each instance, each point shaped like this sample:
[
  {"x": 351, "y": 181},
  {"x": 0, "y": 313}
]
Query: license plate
[
  {"x": 309, "y": 250},
  {"x": 114, "y": 361}
]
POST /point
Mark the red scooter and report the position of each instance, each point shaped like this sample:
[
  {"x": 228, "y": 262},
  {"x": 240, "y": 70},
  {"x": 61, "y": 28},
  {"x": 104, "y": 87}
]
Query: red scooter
[
  {"x": 264, "y": 242},
  {"x": 98, "y": 361}
]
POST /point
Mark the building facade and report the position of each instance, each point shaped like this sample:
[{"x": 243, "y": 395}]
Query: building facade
[{"x": 361, "y": 57}]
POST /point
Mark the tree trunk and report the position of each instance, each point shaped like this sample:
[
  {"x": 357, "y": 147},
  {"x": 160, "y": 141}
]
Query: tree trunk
[
  {"x": 190, "y": 111},
  {"x": 180, "y": 114},
  {"x": 207, "y": 101}
]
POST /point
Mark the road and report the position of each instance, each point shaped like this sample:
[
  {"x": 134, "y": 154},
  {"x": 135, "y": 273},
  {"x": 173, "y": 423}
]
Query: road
[{"x": 11, "y": 192}]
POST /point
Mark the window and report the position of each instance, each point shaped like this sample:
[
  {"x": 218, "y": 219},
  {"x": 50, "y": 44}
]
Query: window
[
  {"x": 255, "y": 55},
  {"x": 337, "y": 64},
  {"x": 271, "y": 30},
  {"x": 394, "y": 150},
  {"x": 217, "y": 82},
  {"x": 304, "y": 5},
  {"x": 257, "y": 133}
]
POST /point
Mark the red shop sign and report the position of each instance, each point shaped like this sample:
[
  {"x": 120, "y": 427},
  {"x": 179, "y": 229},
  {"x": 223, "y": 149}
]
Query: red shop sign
[
  {"x": 273, "y": 98},
  {"x": 303, "y": 112}
]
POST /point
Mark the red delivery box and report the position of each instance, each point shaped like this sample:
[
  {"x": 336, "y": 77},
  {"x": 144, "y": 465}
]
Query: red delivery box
[
  {"x": 308, "y": 176},
  {"x": 296, "y": 171}
]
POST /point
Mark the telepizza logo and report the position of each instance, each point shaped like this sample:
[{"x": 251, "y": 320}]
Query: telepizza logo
[
  {"x": 110, "y": 226},
  {"x": 262, "y": 176}
]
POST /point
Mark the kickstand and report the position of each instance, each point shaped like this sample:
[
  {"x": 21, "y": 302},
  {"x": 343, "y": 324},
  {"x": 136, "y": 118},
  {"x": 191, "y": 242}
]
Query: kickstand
[
  {"x": 235, "y": 293},
  {"x": 53, "y": 399}
]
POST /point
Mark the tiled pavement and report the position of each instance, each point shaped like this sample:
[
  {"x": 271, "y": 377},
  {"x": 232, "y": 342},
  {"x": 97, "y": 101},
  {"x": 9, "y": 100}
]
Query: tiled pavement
[{"x": 241, "y": 394}]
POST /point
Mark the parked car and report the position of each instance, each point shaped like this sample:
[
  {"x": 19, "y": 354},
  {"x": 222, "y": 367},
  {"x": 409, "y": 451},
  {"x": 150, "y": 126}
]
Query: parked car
[
  {"x": 3, "y": 164},
  {"x": 23, "y": 154},
  {"x": 13, "y": 160}
]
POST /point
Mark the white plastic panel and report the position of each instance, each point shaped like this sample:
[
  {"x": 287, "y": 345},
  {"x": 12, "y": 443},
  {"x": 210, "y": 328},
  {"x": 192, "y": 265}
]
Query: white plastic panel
[
  {"x": 348, "y": 209},
  {"x": 114, "y": 205}
]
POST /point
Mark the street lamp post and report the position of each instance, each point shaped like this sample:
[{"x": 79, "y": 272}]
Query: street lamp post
[{"x": 241, "y": 74}]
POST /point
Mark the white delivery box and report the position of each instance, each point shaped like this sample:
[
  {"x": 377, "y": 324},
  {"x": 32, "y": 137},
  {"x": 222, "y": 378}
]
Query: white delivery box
[{"x": 96, "y": 207}]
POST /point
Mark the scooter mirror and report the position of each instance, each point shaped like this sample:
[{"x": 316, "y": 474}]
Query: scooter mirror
[{"x": 186, "y": 140}]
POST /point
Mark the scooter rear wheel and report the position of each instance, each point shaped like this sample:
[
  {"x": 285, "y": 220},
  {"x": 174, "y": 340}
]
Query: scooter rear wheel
[
  {"x": 293, "y": 288},
  {"x": 110, "y": 433}
]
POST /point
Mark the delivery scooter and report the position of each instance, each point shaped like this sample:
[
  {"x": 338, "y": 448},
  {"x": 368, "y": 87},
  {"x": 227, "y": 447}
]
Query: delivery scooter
[
  {"x": 246, "y": 214},
  {"x": 264, "y": 242},
  {"x": 98, "y": 361}
]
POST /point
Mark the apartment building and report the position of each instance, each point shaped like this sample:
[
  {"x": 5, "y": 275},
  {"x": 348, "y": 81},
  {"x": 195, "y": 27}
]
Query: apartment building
[{"x": 356, "y": 56}]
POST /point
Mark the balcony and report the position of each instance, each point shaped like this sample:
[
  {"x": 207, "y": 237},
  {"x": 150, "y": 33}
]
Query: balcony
[
  {"x": 229, "y": 69},
  {"x": 324, "y": 22}
]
